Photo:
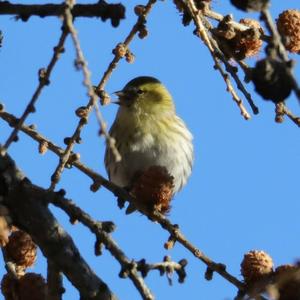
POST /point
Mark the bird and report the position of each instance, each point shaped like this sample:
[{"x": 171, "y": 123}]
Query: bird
[{"x": 148, "y": 132}]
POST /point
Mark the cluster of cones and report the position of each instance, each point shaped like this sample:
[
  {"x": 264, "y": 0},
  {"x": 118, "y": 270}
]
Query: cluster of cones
[{"x": 20, "y": 253}]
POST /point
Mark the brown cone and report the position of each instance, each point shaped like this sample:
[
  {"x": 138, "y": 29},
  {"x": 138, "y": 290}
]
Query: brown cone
[
  {"x": 248, "y": 43},
  {"x": 288, "y": 24},
  {"x": 21, "y": 249},
  {"x": 256, "y": 265},
  {"x": 153, "y": 189}
]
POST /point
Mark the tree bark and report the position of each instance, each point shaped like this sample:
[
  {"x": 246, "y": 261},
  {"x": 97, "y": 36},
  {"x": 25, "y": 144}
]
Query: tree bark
[{"x": 29, "y": 211}]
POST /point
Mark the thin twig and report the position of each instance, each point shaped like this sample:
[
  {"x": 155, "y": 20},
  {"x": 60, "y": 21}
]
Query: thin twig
[
  {"x": 166, "y": 266},
  {"x": 236, "y": 25},
  {"x": 11, "y": 120},
  {"x": 291, "y": 116},
  {"x": 267, "y": 18},
  {"x": 140, "y": 21},
  {"x": 105, "y": 238},
  {"x": 219, "y": 17},
  {"x": 100, "y": 87},
  {"x": 179, "y": 236},
  {"x": 44, "y": 79},
  {"x": 82, "y": 64},
  {"x": 207, "y": 41},
  {"x": 231, "y": 69}
]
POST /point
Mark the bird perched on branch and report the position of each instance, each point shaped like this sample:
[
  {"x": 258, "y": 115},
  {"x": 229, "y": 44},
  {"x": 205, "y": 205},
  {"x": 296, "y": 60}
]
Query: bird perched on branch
[{"x": 148, "y": 133}]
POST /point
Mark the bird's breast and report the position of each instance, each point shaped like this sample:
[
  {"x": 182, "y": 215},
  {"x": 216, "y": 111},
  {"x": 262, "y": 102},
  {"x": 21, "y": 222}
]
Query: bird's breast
[{"x": 162, "y": 142}]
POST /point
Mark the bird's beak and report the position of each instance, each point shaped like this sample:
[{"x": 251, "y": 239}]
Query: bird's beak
[{"x": 120, "y": 94}]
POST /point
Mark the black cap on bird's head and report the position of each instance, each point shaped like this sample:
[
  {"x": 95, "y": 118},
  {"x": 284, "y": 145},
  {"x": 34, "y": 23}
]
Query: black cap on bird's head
[{"x": 141, "y": 80}]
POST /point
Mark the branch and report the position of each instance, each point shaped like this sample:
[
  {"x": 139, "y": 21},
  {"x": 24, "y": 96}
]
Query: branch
[
  {"x": 101, "y": 231},
  {"x": 167, "y": 266},
  {"x": 44, "y": 79},
  {"x": 103, "y": 10},
  {"x": 236, "y": 25},
  {"x": 47, "y": 144},
  {"x": 285, "y": 111},
  {"x": 30, "y": 213},
  {"x": 135, "y": 29},
  {"x": 179, "y": 237},
  {"x": 280, "y": 54},
  {"x": 232, "y": 70},
  {"x": 123, "y": 194},
  {"x": 54, "y": 282},
  {"x": 84, "y": 112},
  {"x": 81, "y": 64},
  {"x": 201, "y": 32}
]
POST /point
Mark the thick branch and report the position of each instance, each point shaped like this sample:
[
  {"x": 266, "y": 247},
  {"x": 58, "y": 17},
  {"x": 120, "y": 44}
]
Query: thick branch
[
  {"x": 102, "y": 10},
  {"x": 29, "y": 212},
  {"x": 54, "y": 282}
]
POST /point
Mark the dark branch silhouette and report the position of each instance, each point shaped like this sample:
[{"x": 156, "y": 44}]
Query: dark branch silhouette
[
  {"x": 102, "y": 10},
  {"x": 30, "y": 213}
]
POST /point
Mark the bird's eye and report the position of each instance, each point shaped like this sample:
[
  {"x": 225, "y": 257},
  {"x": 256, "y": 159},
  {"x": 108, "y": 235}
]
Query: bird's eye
[{"x": 139, "y": 91}]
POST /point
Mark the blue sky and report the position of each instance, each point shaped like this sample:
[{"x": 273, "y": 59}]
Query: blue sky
[{"x": 243, "y": 193}]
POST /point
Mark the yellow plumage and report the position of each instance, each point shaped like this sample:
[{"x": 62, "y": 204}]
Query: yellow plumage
[{"x": 149, "y": 133}]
